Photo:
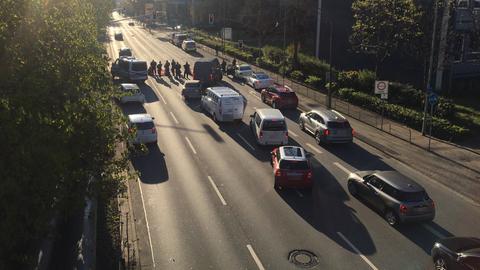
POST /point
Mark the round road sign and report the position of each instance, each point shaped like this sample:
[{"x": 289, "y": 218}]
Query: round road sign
[{"x": 381, "y": 85}]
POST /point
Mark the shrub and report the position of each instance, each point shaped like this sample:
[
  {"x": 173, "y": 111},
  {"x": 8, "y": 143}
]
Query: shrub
[
  {"x": 297, "y": 75},
  {"x": 310, "y": 65},
  {"x": 273, "y": 54},
  {"x": 266, "y": 64},
  {"x": 314, "y": 81},
  {"x": 361, "y": 80}
]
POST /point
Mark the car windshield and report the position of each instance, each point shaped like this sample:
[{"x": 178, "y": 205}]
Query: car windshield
[
  {"x": 139, "y": 66},
  {"x": 271, "y": 125},
  {"x": 262, "y": 76},
  {"x": 294, "y": 165},
  {"x": 245, "y": 68},
  {"x": 192, "y": 85},
  {"x": 411, "y": 196},
  {"x": 144, "y": 126},
  {"x": 338, "y": 125}
]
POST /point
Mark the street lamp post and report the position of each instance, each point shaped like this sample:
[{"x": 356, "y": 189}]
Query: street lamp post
[
  {"x": 330, "y": 56},
  {"x": 319, "y": 20}
]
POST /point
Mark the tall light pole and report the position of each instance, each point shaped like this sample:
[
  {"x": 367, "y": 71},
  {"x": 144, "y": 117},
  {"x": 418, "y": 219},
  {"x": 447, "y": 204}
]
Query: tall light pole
[{"x": 319, "y": 20}]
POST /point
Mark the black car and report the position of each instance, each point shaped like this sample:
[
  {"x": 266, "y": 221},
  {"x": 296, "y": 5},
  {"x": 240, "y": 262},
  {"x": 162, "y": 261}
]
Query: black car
[
  {"x": 118, "y": 36},
  {"x": 131, "y": 23},
  {"x": 207, "y": 71},
  {"x": 456, "y": 253},
  {"x": 398, "y": 198}
]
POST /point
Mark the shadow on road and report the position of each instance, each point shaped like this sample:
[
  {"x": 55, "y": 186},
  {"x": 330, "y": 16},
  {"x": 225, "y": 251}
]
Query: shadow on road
[
  {"x": 195, "y": 54},
  {"x": 150, "y": 95},
  {"x": 423, "y": 237},
  {"x": 152, "y": 166}
]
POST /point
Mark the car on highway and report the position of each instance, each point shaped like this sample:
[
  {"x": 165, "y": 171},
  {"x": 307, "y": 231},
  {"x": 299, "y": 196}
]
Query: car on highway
[
  {"x": 207, "y": 71},
  {"x": 177, "y": 38},
  {"x": 118, "y": 36},
  {"x": 242, "y": 71},
  {"x": 124, "y": 51},
  {"x": 327, "y": 126},
  {"x": 130, "y": 69},
  {"x": 223, "y": 104},
  {"x": 131, "y": 23},
  {"x": 259, "y": 80},
  {"x": 291, "y": 167},
  {"x": 456, "y": 253},
  {"x": 192, "y": 89},
  {"x": 279, "y": 97},
  {"x": 399, "y": 198},
  {"x": 143, "y": 127},
  {"x": 130, "y": 92},
  {"x": 189, "y": 45},
  {"x": 269, "y": 127}
]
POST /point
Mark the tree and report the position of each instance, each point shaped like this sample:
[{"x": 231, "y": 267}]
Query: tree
[
  {"x": 261, "y": 18},
  {"x": 383, "y": 27}
]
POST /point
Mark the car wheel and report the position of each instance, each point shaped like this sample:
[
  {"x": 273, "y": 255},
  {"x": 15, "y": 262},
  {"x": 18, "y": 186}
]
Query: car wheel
[
  {"x": 391, "y": 218},
  {"x": 352, "y": 188},
  {"x": 318, "y": 138},
  {"x": 302, "y": 125},
  {"x": 440, "y": 264}
]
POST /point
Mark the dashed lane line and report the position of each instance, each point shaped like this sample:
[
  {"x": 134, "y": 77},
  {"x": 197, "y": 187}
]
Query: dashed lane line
[
  {"x": 191, "y": 145},
  {"x": 245, "y": 141},
  {"x": 255, "y": 95},
  {"x": 146, "y": 222},
  {"x": 341, "y": 167},
  {"x": 293, "y": 133},
  {"x": 314, "y": 148},
  {"x": 174, "y": 118},
  {"x": 255, "y": 258},
  {"x": 217, "y": 191},
  {"x": 357, "y": 251}
]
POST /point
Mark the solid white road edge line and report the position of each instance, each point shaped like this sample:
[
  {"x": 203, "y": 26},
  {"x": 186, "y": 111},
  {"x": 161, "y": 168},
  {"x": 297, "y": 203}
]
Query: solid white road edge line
[
  {"x": 357, "y": 251},
  {"x": 245, "y": 141},
  {"x": 340, "y": 166},
  {"x": 255, "y": 95},
  {"x": 315, "y": 148},
  {"x": 191, "y": 145},
  {"x": 146, "y": 222},
  {"x": 216, "y": 190},
  {"x": 255, "y": 258},
  {"x": 174, "y": 118},
  {"x": 293, "y": 133},
  {"x": 432, "y": 230},
  {"x": 158, "y": 92}
]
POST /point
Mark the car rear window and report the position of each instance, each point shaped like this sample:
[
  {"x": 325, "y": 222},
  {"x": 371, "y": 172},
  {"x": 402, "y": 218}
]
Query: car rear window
[
  {"x": 139, "y": 66},
  {"x": 287, "y": 94},
  {"x": 294, "y": 165},
  {"x": 270, "y": 125},
  {"x": 230, "y": 100},
  {"x": 244, "y": 68},
  {"x": 130, "y": 90},
  {"x": 144, "y": 126},
  {"x": 262, "y": 76},
  {"x": 338, "y": 125},
  {"x": 192, "y": 85},
  {"x": 411, "y": 196}
]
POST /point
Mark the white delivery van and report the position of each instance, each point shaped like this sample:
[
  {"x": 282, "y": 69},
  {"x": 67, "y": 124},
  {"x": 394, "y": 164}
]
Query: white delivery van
[
  {"x": 269, "y": 127},
  {"x": 223, "y": 104}
]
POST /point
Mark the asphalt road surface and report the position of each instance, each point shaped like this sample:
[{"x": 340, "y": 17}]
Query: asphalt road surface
[{"x": 205, "y": 197}]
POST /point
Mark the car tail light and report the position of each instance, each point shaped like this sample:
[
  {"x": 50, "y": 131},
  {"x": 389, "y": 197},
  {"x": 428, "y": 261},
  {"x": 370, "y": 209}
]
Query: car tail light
[
  {"x": 131, "y": 130},
  {"x": 432, "y": 203},
  {"x": 403, "y": 208},
  {"x": 211, "y": 77},
  {"x": 278, "y": 172},
  {"x": 154, "y": 130},
  {"x": 326, "y": 132},
  {"x": 309, "y": 175},
  {"x": 286, "y": 134},
  {"x": 261, "y": 134}
]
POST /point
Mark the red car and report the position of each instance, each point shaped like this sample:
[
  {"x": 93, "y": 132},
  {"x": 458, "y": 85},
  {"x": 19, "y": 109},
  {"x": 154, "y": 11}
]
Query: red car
[
  {"x": 291, "y": 167},
  {"x": 280, "y": 97}
]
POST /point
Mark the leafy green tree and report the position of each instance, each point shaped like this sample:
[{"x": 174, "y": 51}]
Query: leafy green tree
[{"x": 384, "y": 27}]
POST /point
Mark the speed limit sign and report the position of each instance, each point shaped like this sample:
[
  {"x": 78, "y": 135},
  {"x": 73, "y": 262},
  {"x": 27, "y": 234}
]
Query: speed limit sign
[{"x": 381, "y": 87}]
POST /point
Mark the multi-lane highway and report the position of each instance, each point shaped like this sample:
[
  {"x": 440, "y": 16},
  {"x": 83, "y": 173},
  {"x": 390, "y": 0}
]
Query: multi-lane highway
[{"x": 205, "y": 197}]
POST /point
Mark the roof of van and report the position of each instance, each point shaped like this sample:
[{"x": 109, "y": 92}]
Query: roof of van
[
  {"x": 205, "y": 60},
  {"x": 224, "y": 91},
  {"x": 129, "y": 86},
  {"x": 140, "y": 118},
  {"x": 270, "y": 113}
]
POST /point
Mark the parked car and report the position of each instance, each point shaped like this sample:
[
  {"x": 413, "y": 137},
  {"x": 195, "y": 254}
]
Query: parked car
[
  {"x": 118, "y": 36},
  {"x": 259, "y": 80},
  {"x": 143, "y": 127},
  {"x": 207, "y": 71},
  {"x": 399, "y": 198},
  {"x": 279, "y": 97},
  {"x": 131, "y": 23},
  {"x": 269, "y": 127},
  {"x": 242, "y": 71},
  {"x": 125, "y": 52},
  {"x": 291, "y": 167},
  {"x": 328, "y": 126},
  {"x": 456, "y": 253},
  {"x": 130, "y": 69},
  {"x": 223, "y": 104},
  {"x": 192, "y": 89},
  {"x": 131, "y": 93},
  {"x": 177, "y": 38},
  {"x": 189, "y": 45}
]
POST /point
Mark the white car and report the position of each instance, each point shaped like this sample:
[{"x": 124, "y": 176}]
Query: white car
[
  {"x": 259, "y": 80},
  {"x": 189, "y": 45},
  {"x": 131, "y": 93},
  {"x": 243, "y": 71},
  {"x": 143, "y": 127}
]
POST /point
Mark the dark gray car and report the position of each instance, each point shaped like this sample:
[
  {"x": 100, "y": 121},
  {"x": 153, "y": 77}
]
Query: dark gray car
[
  {"x": 328, "y": 126},
  {"x": 397, "y": 197},
  {"x": 456, "y": 253}
]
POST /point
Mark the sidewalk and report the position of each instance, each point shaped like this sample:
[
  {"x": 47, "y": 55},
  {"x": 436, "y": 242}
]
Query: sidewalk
[{"x": 454, "y": 166}]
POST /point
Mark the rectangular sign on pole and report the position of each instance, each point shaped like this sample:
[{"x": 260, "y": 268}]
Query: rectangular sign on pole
[
  {"x": 227, "y": 33},
  {"x": 149, "y": 10},
  {"x": 381, "y": 87}
]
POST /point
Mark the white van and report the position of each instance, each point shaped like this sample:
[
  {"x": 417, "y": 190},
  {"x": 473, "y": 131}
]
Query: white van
[
  {"x": 223, "y": 104},
  {"x": 269, "y": 127},
  {"x": 144, "y": 126},
  {"x": 189, "y": 45}
]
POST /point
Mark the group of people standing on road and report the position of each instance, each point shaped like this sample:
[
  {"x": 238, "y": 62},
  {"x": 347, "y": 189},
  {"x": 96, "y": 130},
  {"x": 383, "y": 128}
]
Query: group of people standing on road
[{"x": 170, "y": 69}]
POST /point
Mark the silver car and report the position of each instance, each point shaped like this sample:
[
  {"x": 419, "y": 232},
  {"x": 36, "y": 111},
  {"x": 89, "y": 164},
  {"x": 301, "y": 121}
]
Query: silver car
[
  {"x": 328, "y": 126},
  {"x": 397, "y": 197}
]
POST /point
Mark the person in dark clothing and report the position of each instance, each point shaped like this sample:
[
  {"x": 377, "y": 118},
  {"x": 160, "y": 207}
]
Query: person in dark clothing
[
  {"x": 153, "y": 66},
  {"x": 167, "y": 68},
  {"x": 174, "y": 67},
  {"x": 178, "y": 72},
  {"x": 224, "y": 66},
  {"x": 216, "y": 49},
  {"x": 234, "y": 62},
  {"x": 186, "y": 70},
  {"x": 159, "y": 68}
]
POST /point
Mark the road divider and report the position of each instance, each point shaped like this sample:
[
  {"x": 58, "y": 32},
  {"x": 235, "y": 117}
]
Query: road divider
[
  {"x": 341, "y": 167},
  {"x": 292, "y": 133},
  {"x": 191, "y": 145},
  {"x": 255, "y": 257},
  {"x": 357, "y": 251},
  {"x": 217, "y": 191}
]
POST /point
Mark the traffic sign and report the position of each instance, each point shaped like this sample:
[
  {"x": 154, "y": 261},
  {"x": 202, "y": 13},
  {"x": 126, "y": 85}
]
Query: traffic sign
[
  {"x": 432, "y": 99},
  {"x": 384, "y": 95},
  {"x": 381, "y": 87}
]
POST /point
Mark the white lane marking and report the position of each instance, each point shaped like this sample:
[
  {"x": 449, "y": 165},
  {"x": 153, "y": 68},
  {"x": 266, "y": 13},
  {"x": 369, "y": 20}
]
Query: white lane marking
[
  {"x": 146, "y": 222},
  {"x": 216, "y": 190},
  {"x": 253, "y": 94},
  {"x": 315, "y": 148},
  {"x": 245, "y": 141},
  {"x": 174, "y": 118},
  {"x": 340, "y": 166},
  {"x": 299, "y": 193},
  {"x": 432, "y": 230},
  {"x": 357, "y": 251},
  {"x": 158, "y": 92},
  {"x": 191, "y": 145},
  {"x": 293, "y": 133},
  {"x": 255, "y": 258}
]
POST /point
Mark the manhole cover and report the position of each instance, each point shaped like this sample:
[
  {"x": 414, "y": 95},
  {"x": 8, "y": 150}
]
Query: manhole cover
[{"x": 303, "y": 258}]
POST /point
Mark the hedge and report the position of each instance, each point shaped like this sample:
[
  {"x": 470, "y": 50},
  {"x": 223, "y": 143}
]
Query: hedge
[{"x": 412, "y": 118}]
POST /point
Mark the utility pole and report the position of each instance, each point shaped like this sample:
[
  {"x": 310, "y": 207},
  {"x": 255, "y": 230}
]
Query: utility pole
[
  {"x": 430, "y": 67},
  {"x": 330, "y": 79},
  {"x": 319, "y": 20},
  {"x": 284, "y": 41},
  {"x": 443, "y": 45}
]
